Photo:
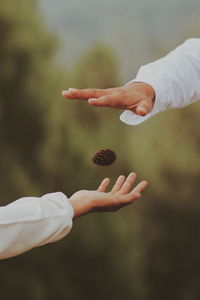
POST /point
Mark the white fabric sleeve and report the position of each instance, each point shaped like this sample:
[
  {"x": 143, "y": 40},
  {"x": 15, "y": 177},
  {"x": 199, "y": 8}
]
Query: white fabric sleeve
[
  {"x": 175, "y": 79},
  {"x": 33, "y": 221}
]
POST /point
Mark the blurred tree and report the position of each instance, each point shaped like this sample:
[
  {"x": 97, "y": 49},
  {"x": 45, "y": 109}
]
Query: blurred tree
[
  {"x": 92, "y": 128},
  {"x": 26, "y": 54},
  {"x": 99, "y": 67}
]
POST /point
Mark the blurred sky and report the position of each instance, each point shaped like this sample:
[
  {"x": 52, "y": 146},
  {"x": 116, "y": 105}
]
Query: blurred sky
[{"x": 139, "y": 31}]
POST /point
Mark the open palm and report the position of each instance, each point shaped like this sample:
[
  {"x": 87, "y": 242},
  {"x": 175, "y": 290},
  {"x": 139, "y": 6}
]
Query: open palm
[{"x": 121, "y": 195}]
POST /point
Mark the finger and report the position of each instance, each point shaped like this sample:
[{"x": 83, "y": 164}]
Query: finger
[
  {"x": 111, "y": 100},
  {"x": 144, "y": 107},
  {"x": 130, "y": 197},
  {"x": 128, "y": 183},
  {"x": 118, "y": 184},
  {"x": 104, "y": 184},
  {"x": 127, "y": 199},
  {"x": 85, "y": 93},
  {"x": 140, "y": 187}
]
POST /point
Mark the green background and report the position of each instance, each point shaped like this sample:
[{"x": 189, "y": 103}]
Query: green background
[{"x": 149, "y": 250}]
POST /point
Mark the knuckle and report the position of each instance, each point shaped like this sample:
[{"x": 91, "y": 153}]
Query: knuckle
[
  {"x": 94, "y": 92},
  {"x": 122, "y": 93}
]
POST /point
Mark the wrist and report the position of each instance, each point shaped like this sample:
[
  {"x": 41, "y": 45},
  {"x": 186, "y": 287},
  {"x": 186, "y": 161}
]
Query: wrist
[{"x": 81, "y": 203}]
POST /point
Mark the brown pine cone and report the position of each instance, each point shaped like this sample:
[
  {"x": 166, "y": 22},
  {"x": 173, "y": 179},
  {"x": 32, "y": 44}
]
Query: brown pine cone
[{"x": 104, "y": 157}]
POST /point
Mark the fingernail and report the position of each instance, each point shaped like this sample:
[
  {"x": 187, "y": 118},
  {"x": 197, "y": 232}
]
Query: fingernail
[
  {"x": 91, "y": 100},
  {"x": 132, "y": 173},
  {"x": 63, "y": 92},
  {"x": 72, "y": 90}
]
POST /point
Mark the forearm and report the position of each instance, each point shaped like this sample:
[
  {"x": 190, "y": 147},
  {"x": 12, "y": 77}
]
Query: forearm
[
  {"x": 174, "y": 78},
  {"x": 31, "y": 222}
]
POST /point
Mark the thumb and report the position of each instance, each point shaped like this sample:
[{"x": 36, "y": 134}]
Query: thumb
[{"x": 144, "y": 107}]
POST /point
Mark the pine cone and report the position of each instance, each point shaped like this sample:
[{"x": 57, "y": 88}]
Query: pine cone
[{"x": 104, "y": 157}]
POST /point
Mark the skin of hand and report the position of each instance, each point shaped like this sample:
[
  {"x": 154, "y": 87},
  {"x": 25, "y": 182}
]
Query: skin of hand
[
  {"x": 137, "y": 97},
  {"x": 122, "y": 194}
]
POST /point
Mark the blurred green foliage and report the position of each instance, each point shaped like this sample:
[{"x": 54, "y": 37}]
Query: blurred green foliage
[{"x": 147, "y": 251}]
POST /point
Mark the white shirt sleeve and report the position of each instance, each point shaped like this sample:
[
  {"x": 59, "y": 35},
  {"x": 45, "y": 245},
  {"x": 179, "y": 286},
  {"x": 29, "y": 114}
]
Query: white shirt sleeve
[
  {"x": 33, "y": 221},
  {"x": 175, "y": 79}
]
